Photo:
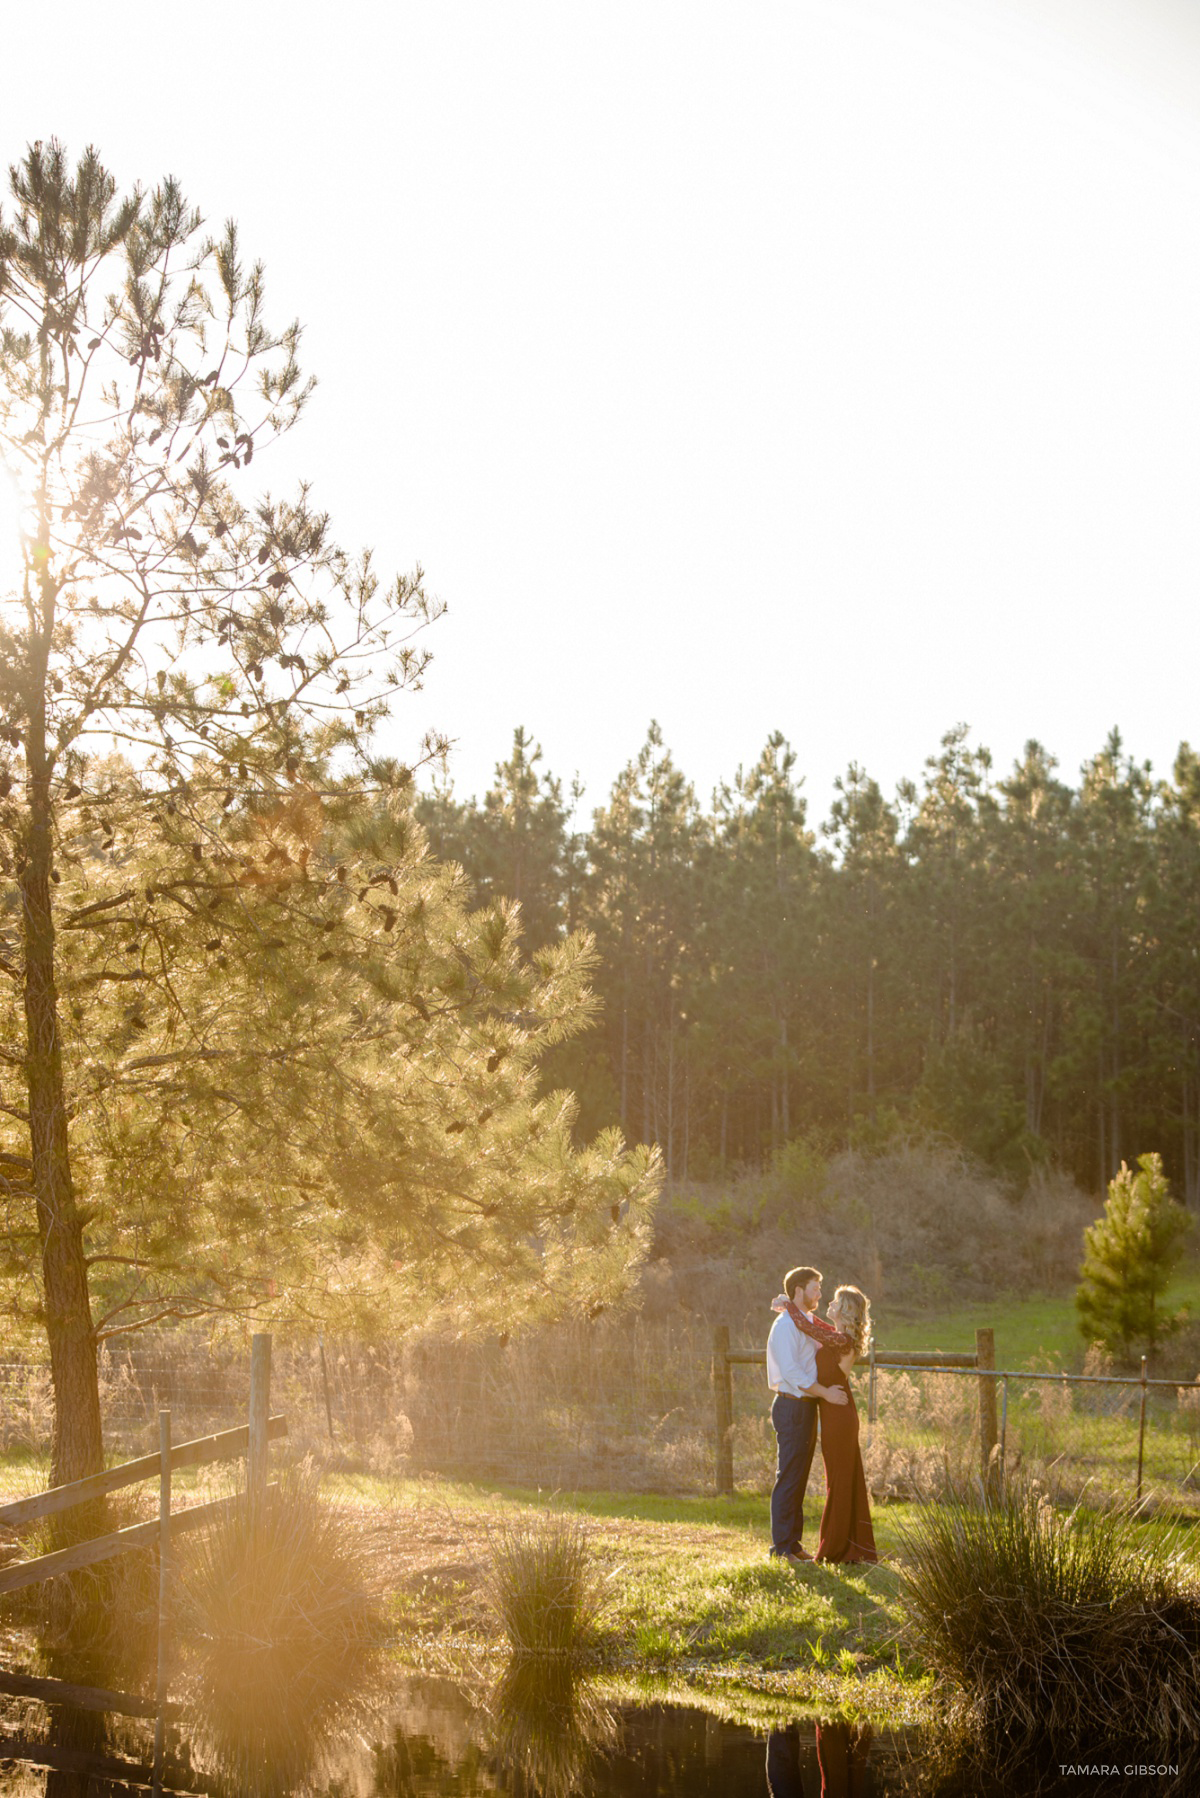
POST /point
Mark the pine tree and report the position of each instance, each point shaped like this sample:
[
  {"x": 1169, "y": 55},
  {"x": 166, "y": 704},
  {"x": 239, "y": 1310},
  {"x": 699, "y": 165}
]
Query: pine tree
[
  {"x": 513, "y": 847},
  {"x": 866, "y": 1026},
  {"x": 1114, "y": 823},
  {"x": 267, "y": 1052},
  {"x": 1129, "y": 1256},
  {"x": 762, "y": 908},
  {"x": 641, "y": 902},
  {"x": 1176, "y": 971},
  {"x": 1028, "y": 942}
]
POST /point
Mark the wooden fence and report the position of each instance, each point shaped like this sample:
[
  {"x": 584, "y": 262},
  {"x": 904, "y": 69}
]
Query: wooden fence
[
  {"x": 250, "y": 1439},
  {"x": 725, "y": 1359}
]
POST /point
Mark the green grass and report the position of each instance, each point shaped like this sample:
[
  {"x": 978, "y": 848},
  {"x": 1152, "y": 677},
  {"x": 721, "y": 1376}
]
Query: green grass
[
  {"x": 1025, "y": 1328},
  {"x": 694, "y": 1596},
  {"x": 22, "y": 1472}
]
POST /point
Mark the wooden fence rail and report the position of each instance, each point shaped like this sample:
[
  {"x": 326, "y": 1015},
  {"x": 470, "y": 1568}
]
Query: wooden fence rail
[
  {"x": 226, "y": 1445},
  {"x": 84, "y": 1698},
  {"x": 122, "y": 1775},
  {"x": 101, "y": 1548},
  {"x": 249, "y": 1439},
  {"x": 725, "y": 1359}
]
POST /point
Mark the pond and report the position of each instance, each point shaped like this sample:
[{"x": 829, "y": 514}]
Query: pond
[{"x": 528, "y": 1731}]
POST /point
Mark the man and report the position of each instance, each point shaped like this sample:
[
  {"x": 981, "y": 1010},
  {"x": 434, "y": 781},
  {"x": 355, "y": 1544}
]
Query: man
[{"x": 792, "y": 1377}]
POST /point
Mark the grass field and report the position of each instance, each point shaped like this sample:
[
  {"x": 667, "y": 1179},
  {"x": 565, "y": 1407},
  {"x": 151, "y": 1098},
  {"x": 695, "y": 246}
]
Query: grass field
[
  {"x": 694, "y": 1598},
  {"x": 695, "y": 1604},
  {"x": 1026, "y": 1328}
]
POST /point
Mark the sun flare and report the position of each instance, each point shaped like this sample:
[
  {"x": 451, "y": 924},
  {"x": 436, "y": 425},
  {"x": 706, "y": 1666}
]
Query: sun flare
[{"x": 12, "y": 558}]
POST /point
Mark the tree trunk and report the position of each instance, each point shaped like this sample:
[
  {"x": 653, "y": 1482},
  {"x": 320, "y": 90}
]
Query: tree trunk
[
  {"x": 1043, "y": 1060},
  {"x": 871, "y": 1030},
  {"x": 671, "y": 1099},
  {"x": 78, "y": 1448},
  {"x": 1191, "y": 1121},
  {"x": 1115, "y": 1135},
  {"x": 625, "y": 1065},
  {"x": 1100, "y": 1121},
  {"x": 687, "y": 1113}
]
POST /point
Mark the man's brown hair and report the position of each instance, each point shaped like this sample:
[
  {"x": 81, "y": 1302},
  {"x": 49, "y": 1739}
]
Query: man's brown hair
[{"x": 799, "y": 1276}]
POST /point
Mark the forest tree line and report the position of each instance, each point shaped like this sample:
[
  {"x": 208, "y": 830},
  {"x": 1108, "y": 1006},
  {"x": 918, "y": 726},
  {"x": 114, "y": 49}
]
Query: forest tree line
[{"x": 1012, "y": 962}]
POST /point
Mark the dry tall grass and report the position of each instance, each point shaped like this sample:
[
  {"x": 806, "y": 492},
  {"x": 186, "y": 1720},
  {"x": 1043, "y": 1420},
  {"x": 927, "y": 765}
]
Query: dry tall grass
[
  {"x": 544, "y": 1584},
  {"x": 275, "y": 1624},
  {"x": 97, "y": 1625},
  {"x": 624, "y": 1401},
  {"x": 918, "y": 1226},
  {"x": 1072, "y": 1627}
]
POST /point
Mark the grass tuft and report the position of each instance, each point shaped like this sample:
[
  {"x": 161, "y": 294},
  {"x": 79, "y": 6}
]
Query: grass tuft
[
  {"x": 544, "y": 1584},
  {"x": 278, "y": 1619},
  {"x": 1073, "y": 1627}
]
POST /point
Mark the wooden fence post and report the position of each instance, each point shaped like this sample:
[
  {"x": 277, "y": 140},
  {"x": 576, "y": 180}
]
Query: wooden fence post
[
  {"x": 1141, "y": 1432},
  {"x": 260, "y": 1406},
  {"x": 985, "y": 1358},
  {"x": 325, "y": 1384},
  {"x": 164, "y": 1589},
  {"x": 723, "y": 1393}
]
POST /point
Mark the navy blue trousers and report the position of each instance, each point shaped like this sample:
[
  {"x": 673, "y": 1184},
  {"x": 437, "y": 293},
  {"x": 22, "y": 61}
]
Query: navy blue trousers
[{"x": 794, "y": 1421}]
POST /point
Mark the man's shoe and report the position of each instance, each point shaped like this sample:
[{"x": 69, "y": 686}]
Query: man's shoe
[{"x": 799, "y": 1557}]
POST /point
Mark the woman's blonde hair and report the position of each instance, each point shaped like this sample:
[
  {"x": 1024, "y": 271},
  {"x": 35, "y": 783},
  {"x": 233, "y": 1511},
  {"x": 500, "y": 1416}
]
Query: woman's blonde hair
[{"x": 856, "y": 1316}]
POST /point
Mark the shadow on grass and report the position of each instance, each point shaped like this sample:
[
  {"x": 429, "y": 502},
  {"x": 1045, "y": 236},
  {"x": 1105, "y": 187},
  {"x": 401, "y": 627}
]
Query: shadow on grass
[
  {"x": 744, "y": 1511},
  {"x": 822, "y": 1618}
]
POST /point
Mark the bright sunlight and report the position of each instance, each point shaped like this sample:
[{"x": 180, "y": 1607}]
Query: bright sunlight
[{"x": 11, "y": 556}]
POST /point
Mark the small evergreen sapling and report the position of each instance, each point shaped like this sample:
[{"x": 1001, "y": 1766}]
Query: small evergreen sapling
[{"x": 1129, "y": 1256}]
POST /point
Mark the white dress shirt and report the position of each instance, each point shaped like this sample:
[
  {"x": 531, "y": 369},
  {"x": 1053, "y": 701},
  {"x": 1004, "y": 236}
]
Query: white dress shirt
[{"x": 791, "y": 1357}]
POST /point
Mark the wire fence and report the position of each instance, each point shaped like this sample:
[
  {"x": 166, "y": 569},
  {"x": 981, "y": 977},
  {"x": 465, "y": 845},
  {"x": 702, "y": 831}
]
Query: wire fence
[
  {"x": 1103, "y": 1435},
  {"x": 625, "y": 1404}
]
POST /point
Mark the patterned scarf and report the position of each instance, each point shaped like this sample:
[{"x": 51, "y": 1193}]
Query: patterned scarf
[{"x": 822, "y": 1333}]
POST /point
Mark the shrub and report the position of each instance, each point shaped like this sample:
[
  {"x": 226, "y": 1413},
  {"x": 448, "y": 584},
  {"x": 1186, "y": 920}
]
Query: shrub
[
  {"x": 1129, "y": 1256},
  {"x": 276, "y": 1616},
  {"x": 1072, "y": 1627},
  {"x": 544, "y": 1585}
]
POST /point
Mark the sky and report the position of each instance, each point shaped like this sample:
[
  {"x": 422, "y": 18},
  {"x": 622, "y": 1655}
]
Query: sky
[{"x": 829, "y": 367}]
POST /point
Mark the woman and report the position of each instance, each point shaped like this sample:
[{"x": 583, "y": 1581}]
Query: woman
[{"x": 846, "y": 1533}]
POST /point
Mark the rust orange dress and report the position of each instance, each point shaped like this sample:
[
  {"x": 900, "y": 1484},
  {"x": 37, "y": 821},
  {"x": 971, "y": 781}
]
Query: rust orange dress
[{"x": 846, "y": 1533}]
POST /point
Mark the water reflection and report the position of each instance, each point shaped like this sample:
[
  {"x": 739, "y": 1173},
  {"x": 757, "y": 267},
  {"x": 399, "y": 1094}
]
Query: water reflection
[
  {"x": 545, "y": 1732},
  {"x": 532, "y": 1731},
  {"x": 447, "y": 1741},
  {"x": 785, "y": 1777},
  {"x": 275, "y": 1718},
  {"x": 546, "y": 1723},
  {"x": 843, "y": 1756},
  {"x": 77, "y": 1736}
]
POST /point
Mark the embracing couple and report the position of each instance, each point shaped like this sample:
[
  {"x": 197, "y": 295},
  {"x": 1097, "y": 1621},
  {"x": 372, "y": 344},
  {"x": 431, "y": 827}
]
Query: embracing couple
[{"x": 808, "y": 1365}]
